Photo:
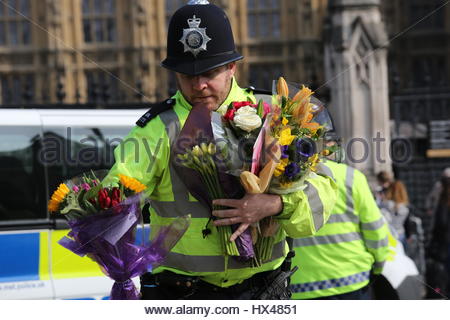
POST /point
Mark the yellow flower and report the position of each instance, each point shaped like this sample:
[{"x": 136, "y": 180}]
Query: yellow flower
[
  {"x": 286, "y": 137},
  {"x": 285, "y": 121},
  {"x": 279, "y": 170},
  {"x": 131, "y": 183},
  {"x": 314, "y": 160},
  {"x": 326, "y": 152},
  {"x": 57, "y": 197},
  {"x": 286, "y": 185}
]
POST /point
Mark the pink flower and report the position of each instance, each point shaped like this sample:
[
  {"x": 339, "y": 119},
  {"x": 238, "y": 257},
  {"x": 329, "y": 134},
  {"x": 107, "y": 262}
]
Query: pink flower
[
  {"x": 75, "y": 189},
  {"x": 86, "y": 186},
  {"x": 266, "y": 107}
]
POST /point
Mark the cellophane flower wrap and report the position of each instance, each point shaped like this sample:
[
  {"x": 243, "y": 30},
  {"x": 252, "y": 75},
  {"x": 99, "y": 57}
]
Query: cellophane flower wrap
[
  {"x": 299, "y": 124},
  {"x": 103, "y": 221},
  {"x": 207, "y": 150}
]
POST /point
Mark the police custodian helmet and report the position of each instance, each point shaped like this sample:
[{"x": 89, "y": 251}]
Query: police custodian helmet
[{"x": 199, "y": 39}]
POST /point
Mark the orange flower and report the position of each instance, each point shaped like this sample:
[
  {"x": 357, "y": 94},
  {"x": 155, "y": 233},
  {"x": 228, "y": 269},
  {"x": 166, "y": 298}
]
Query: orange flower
[
  {"x": 302, "y": 94},
  {"x": 301, "y": 112},
  {"x": 282, "y": 87},
  {"x": 313, "y": 126}
]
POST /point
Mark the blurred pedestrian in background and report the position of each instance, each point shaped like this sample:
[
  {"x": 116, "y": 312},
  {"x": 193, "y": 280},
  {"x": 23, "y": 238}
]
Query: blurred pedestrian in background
[
  {"x": 432, "y": 200},
  {"x": 393, "y": 200},
  {"x": 439, "y": 247}
]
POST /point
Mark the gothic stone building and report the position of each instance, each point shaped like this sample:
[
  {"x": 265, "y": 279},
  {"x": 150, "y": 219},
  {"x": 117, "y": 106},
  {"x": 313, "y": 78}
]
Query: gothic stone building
[{"x": 109, "y": 51}]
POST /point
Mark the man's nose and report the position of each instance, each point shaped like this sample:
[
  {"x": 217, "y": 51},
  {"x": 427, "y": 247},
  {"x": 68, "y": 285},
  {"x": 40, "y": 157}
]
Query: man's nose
[{"x": 200, "y": 83}]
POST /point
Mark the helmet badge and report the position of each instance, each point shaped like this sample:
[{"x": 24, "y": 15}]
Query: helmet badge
[{"x": 194, "y": 38}]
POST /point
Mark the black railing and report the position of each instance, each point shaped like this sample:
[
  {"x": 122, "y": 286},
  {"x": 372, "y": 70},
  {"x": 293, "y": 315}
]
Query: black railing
[{"x": 412, "y": 113}]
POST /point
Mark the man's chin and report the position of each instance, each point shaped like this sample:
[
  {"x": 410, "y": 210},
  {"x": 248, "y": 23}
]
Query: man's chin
[{"x": 210, "y": 105}]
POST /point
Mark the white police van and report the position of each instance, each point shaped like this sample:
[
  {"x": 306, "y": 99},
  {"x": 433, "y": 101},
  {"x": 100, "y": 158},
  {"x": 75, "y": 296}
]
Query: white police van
[{"x": 38, "y": 150}]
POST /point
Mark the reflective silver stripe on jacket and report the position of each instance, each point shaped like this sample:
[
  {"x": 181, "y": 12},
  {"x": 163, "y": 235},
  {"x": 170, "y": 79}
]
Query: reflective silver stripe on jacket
[
  {"x": 315, "y": 204},
  {"x": 375, "y": 225},
  {"x": 328, "y": 239},
  {"x": 343, "y": 218},
  {"x": 277, "y": 252},
  {"x": 195, "y": 263},
  {"x": 349, "y": 187},
  {"x": 181, "y": 204},
  {"x": 349, "y": 215},
  {"x": 376, "y": 244},
  {"x": 324, "y": 170},
  {"x": 331, "y": 283}
]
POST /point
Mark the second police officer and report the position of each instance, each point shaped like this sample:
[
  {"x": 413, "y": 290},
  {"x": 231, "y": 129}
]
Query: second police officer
[{"x": 202, "y": 53}]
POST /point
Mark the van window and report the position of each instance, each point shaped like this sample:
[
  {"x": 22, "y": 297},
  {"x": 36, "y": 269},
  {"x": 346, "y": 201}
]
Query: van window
[
  {"x": 22, "y": 179},
  {"x": 71, "y": 151}
]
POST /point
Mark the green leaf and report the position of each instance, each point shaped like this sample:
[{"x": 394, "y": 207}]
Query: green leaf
[
  {"x": 72, "y": 204},
  {"x": 260, "y": 110},
  {"x": 284, "y": 102},
  {"x": 90, "y": 208}
]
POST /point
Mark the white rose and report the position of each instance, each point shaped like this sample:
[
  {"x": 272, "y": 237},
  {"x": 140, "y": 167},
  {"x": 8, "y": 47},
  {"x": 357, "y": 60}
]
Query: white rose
[{"x": 247, "y": 119}]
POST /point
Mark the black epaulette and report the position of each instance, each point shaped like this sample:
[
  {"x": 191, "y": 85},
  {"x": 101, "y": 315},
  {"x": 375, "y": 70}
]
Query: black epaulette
[
  {"x": 257, "y": 91},
  {"x": 155, "y": 110}
]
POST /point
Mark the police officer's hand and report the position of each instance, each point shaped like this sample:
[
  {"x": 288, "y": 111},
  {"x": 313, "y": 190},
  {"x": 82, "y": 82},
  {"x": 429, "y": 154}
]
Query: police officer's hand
[{"x": 250, "y": 209}]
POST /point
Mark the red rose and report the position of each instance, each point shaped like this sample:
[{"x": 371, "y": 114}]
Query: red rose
[
  {"x": 241, "y": 104},
  {"x": 230, "y": 114}
]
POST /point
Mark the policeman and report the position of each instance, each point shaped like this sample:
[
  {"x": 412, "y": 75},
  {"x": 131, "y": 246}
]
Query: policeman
[
  {"x": 201, "y": 51},
  {"x": 337, "y": 262}
]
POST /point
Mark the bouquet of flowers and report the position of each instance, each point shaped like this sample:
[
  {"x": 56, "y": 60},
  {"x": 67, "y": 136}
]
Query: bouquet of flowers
[
  {"x": 206, "y": 150},
  {"x": 298, "y": 124},
  {"x": 287, "y": 150},
  {"x": 103, "y": 220}
]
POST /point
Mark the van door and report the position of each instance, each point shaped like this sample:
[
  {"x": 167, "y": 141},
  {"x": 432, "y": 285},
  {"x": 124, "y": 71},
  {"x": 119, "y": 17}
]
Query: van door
[{"x": 24, "y": 222}]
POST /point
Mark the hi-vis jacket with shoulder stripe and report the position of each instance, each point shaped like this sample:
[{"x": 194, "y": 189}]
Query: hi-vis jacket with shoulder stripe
[
  {"x": 354, "y": 241},
  {"x": 144, "y": 155}
]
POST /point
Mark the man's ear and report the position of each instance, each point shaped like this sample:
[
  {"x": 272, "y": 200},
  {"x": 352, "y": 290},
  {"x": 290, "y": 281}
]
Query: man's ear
[{"x": 232, "y": 67}]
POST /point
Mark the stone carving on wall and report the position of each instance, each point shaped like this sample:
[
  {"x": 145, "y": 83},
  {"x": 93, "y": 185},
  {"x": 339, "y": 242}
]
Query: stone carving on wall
[{"x": 356, "y": 69}]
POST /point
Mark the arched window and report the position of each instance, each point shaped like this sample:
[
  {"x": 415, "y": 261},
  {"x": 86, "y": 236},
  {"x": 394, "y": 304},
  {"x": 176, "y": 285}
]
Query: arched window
[
  {"x": 263, "y": 18},
  {"x": 99, "y": 20},
  {"x": 15, "y": 28}
]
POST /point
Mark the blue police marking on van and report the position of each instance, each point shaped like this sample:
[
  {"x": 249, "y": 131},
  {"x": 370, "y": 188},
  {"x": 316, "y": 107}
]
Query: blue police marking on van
[{"x": 19, "y": 260}]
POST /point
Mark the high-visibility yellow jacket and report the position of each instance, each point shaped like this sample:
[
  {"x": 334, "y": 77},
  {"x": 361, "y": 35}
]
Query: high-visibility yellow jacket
[
  {"x": 144, "y": 155},
  {"x": 341, "y": 255}
]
